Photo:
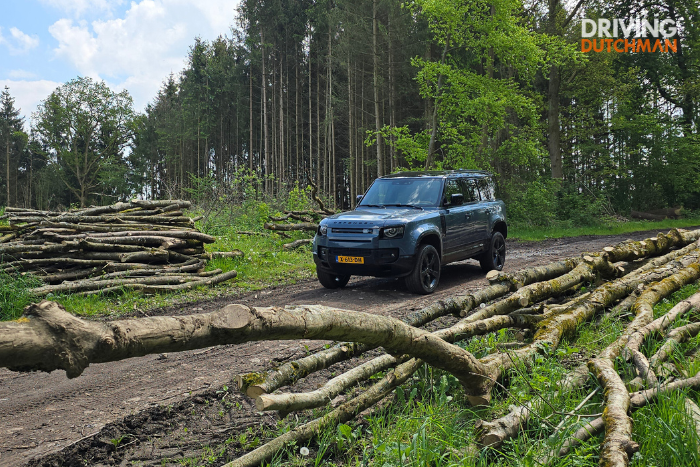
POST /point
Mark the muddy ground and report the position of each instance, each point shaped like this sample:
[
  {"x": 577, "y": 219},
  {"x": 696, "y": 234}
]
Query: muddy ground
[{"x": 158, "y": 409}]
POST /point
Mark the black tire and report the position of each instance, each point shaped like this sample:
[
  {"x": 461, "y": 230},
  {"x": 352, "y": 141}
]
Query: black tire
[
  {"x": 425, "y": 276},
  {"x": 495, "y": 255},
  {"x": 332, "y": 281}
]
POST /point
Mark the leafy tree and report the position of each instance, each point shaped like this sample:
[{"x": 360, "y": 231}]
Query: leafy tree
[
  {"x": 13, "y": 139},
  {"x": 86, "y": 128}
]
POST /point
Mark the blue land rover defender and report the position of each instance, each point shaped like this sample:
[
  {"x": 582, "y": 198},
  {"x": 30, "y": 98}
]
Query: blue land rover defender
[{"x": 408, "y": 224}]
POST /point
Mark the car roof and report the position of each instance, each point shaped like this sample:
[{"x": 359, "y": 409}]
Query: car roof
[{"x": 439, "y": 174}]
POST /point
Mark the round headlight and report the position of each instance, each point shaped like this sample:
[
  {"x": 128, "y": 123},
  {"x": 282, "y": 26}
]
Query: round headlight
[
  {"x": 323, "y": 229},
  {"x": 391, "y": 232}
]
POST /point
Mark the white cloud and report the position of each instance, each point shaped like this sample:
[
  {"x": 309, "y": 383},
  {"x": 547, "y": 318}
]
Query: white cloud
[
  {"x": 29, "y": 94},
  {"x": 21, "y": 74},
  {"x": 19, "y": 43},
  {"x": 138, "y": 51},
  {"x": 79, "y": 7}
]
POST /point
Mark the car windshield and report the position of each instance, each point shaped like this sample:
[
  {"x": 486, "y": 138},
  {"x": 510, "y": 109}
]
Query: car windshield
[{"x": 398, "y": 192}]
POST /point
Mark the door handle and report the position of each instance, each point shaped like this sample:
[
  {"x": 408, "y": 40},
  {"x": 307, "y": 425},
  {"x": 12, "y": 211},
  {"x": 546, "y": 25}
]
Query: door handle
[{"x": 468, "y": 215}]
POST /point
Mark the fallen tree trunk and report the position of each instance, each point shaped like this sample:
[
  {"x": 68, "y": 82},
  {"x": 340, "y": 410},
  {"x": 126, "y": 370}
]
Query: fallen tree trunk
[
  {"x": 307, "y": 226},
  {"x": 37, "y": 344}
]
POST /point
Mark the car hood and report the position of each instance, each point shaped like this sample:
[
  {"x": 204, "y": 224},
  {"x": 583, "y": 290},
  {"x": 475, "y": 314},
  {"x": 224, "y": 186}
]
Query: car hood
[{"x": 379, "y": 215}]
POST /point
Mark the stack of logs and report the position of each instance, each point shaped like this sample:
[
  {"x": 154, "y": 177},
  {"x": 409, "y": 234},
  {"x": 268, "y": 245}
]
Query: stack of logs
[{"x": 149, "y": 246}]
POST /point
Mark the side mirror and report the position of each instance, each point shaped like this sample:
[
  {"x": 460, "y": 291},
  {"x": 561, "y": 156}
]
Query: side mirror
[
  {"x": 358, "y": 199},
  {"x": 457, "y": 199}
]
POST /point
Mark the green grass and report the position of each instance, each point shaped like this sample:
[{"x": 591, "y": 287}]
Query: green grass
[
  {"x": 14, "y": 295},
  {"x": 531, "y": 233}
]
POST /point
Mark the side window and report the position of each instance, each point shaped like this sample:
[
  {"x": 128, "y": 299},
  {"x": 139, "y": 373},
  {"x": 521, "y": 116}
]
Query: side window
[
  {"x": 451, "y": 188},
  {"x": 469, "y": 190},
  {"x": 487, "y": 189}
]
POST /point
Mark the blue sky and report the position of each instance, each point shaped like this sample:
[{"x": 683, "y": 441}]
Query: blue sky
[{"x": 130, "y": 45}]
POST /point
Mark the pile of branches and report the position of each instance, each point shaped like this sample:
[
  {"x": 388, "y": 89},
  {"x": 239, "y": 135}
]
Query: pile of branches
[
  {"x": 306, "y": 221},
  {"x": 549, "y": 300},
  {"x": 149, "y": 246}
]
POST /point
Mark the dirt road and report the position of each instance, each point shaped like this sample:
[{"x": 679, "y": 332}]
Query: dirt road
[{"x": 155, "y": 410}]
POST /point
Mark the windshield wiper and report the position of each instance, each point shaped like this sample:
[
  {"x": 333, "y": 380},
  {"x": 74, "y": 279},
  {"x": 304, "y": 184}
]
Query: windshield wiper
[
  {"x": 374, "y": 205},
  {"x": 405, "y": 206}
]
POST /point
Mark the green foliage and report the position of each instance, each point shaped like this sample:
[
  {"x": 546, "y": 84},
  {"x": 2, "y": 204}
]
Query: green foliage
[
  {"x": 15, "y": 294},
  {"x": 83, "y": 127}
]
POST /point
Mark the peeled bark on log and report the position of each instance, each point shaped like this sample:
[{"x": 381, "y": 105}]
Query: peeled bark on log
[
  {"x": 307, "y": 226},
  {"x": 297, "y": 243}
]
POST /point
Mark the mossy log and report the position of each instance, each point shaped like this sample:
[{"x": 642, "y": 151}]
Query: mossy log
[
  {"x": 496, "y": 432},
  {"x": 617, "y": 447},
  {"x": 674, "y": 338},
  {"x": 659, "y": 325},
  {"x": 297, "y": 243},
  {"x": 306, "y": 226}
]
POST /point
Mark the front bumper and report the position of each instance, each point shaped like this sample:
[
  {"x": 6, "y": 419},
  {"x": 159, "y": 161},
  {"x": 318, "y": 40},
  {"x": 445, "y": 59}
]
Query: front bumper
[{"x": 378, "y": 262}]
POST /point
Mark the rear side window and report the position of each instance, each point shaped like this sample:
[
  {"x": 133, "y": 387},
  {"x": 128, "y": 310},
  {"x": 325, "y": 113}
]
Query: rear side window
[
  {"x": 469, "y": 190},
  {"x": 487, "y": 189}
]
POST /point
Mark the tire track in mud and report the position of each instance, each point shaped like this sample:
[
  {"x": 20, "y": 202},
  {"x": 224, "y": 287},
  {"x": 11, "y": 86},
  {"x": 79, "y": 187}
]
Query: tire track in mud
[{"x": 138, "y": 409}]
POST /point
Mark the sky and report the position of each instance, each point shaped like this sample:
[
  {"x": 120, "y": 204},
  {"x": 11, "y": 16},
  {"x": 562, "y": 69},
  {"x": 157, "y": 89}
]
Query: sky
[{"x": 130, "y": 45}]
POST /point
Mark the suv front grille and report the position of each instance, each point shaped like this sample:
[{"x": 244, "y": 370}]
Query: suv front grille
[{"x": 348, "y": 230}]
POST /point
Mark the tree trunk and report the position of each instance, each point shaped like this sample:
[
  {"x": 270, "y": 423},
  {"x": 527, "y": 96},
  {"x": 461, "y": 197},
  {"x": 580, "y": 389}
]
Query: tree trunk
[
  {"x": 375, "y": 81},
  {"x": 266, "y": 164}
]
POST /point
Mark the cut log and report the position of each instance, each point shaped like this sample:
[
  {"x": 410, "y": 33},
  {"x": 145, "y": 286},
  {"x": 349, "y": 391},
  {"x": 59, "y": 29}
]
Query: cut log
[
  {"x": 306, "y": 226},
  {"x": 297, "y": 243}
]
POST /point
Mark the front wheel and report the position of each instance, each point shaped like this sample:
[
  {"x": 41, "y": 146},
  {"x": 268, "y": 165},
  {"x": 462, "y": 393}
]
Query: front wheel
[
  {"x": 495, "y": 255},
  {"x": 332, "y": 281},
  {"x": 426, "y": 274}
]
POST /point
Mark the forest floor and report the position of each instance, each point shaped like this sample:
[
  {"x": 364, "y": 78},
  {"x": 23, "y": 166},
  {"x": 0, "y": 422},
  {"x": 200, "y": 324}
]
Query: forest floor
[{"x": 184, "y": 408}]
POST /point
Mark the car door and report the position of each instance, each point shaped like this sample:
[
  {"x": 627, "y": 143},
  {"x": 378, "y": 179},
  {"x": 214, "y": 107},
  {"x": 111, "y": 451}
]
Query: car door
[
  {"x": 456, "y": 222},
  {"x": 487, "y": 206},
  {"x": 478, "y": 220}
]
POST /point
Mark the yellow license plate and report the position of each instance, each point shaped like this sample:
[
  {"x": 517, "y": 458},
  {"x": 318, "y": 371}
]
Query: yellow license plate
[{"x": 351, "y": 259}]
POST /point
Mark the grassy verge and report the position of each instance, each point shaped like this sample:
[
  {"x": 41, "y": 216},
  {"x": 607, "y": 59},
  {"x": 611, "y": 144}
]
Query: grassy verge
[{"x": 531, "y": 233}]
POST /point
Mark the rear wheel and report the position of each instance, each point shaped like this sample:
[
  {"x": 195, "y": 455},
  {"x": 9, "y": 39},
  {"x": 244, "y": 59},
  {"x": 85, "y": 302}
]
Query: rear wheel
[
  {"x": 495, "y": 255},
  {"x": 332, "y": 281},
  {"x": 426, "y": 274}
]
